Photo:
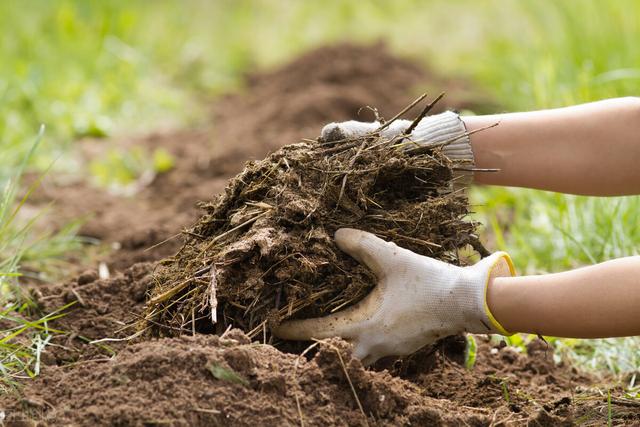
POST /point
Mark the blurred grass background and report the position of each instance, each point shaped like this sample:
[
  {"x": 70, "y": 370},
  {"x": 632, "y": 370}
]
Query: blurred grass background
[{"x": 103, "y": 68}]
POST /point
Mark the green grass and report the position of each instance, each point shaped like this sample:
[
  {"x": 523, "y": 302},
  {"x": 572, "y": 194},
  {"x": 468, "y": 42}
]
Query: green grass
[
  {"x": 566, "y": 53},
  {"x": 114, "y": 67},
  {"x": 22, "y": 339},
  {"x": 552, "y": 232}
]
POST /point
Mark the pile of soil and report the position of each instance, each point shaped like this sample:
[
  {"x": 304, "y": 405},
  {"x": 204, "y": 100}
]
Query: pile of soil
[
  {"x": 102, "y": 309},
  {"x": 229, "y": 380},
  {"x": 329, "y": 84},
  {"x": 212, "y": 380},
  {"x": 263, "y": 252}
]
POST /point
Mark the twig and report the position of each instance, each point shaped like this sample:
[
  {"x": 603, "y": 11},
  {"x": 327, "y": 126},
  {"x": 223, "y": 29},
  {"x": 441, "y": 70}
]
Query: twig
[
  {"x": 78, "y": 297},
  {"x": 129, "y": 338},
  {"x": 351, "y": 164},
  {"x": 295, "y": 379},
  {"x": 344, "y": 369},
  {"x": 237, "y": 227},
  {"x": 213, "y": 300},
  {"x": 153, "y": 322},
  {"x": 341, "y": 147},
  {"x": 424, "y": 112},
  {"x": 170, "y": 292},
  {"x": 625, "y": 402},
  {"x": 397, "y": 116},
  {"x": 252, "y": 333},
  {"x": 412, "y": 239},
  {"x": 162, "y": 242},
  {"x": 208, "y": 411},
  {"x": 333, "y": 142},
  {"x": 224, "y": 334},
  {"x": 478, "y": 246}
]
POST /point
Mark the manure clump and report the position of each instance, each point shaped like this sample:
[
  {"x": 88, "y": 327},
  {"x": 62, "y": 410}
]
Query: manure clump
[{"x": 264, "y": 252}]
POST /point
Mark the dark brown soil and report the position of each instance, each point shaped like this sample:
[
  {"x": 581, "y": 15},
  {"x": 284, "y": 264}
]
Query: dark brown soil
[
  {"x": 211, "y": 380},
  {"x": 229, "y": 380}
]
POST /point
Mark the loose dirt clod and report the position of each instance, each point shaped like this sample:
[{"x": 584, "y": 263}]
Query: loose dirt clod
[{"x": 264, "y": 250}]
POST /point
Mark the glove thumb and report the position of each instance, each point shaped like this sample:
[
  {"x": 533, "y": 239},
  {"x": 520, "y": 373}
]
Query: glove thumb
[{"x": 372, "y": 251}]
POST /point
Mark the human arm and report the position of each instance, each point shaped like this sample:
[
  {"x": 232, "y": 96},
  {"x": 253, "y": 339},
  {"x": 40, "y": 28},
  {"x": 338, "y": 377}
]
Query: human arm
[
  {"x": 590, "y": 149},
  {"x": 418, "y": 300},
  {"x": 591, "y": 302},
  {"x": 549, "y": 150}
]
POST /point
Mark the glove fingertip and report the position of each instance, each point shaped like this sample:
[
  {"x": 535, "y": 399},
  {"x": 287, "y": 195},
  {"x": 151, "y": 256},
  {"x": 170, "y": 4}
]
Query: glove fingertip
[{"x": 332, "y": 132}]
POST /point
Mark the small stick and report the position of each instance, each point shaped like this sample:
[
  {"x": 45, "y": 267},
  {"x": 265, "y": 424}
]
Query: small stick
[
  {"x": 264, "y": 333},
  {"x": 162, "y": 242},
  {"x": 129, "y": 338},
  {"x": 78, "y": 297},
  {"x": 479, "y": 247},
  {"x": 295, "y": 378},
  {"x": 344, "y": 368},
  {"x": 252, "y": 333},
  {"x": 413, "y": 239},
  {"x": 397, "y": 116},
  {"x": 226, "y": 233},
  {"x": 169, "y": 292},
  {"x": 208, "y": 411},
  {"x": 213, "y": 300},
  {"x": 342, "y": 147},
  {"x": 624, "y": 402},
  {"x": 153, "y": 322},
  {"x": 424, "y": 112},
  {"x": 390, "y": 141},
  {"x": 333, "y": 142},
  {"x": 351, "y": 163}
]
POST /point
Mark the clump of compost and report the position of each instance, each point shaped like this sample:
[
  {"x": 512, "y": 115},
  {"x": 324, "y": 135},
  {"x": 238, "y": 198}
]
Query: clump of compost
[{"x": 264, "y": 252}]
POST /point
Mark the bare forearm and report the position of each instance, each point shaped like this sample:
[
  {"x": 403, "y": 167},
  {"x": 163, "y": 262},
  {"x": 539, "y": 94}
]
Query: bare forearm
[
  {"x": 591, "y": 149},
  {"x": 591, "y": 302}
]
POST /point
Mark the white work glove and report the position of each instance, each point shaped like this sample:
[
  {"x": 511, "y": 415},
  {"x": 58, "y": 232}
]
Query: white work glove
[
  {"x": 417, "y": 300},
  {"x": 439, "y": 128}
]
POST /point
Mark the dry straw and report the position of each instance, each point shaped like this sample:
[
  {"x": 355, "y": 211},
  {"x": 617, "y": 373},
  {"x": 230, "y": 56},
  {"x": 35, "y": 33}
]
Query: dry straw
[{"x": 263, "y": 251}]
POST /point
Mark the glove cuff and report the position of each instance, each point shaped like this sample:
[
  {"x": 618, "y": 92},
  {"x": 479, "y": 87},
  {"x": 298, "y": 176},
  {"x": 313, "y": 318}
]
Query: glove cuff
[
  {"x": 447, "y": 128},
  {"x": 478, "y": 316}
]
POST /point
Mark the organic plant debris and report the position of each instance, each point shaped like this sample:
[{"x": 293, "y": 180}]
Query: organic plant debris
[{"x": 264, "y": 251}]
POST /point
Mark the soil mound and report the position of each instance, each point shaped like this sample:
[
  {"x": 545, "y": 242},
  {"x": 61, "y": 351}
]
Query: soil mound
[
  {"x": 275, "y": 108},
  {"x": 101, "y": 309},
  {"x": 333, "y": 83},
  {"x": 263, "y": 252},
  {"x": 227, "y": 380}
]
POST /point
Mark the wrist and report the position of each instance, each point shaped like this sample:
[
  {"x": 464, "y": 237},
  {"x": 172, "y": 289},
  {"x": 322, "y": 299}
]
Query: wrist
[{"x": 480, "y": 277}]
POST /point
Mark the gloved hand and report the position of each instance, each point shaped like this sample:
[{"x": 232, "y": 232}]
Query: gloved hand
[
  {"x": 417, "y": 300},
  {"x": 434, "y": 129}
]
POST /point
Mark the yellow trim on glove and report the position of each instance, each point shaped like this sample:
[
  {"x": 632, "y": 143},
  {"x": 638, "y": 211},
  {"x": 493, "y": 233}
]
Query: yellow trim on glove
[{"x": 512, "y": 270}]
